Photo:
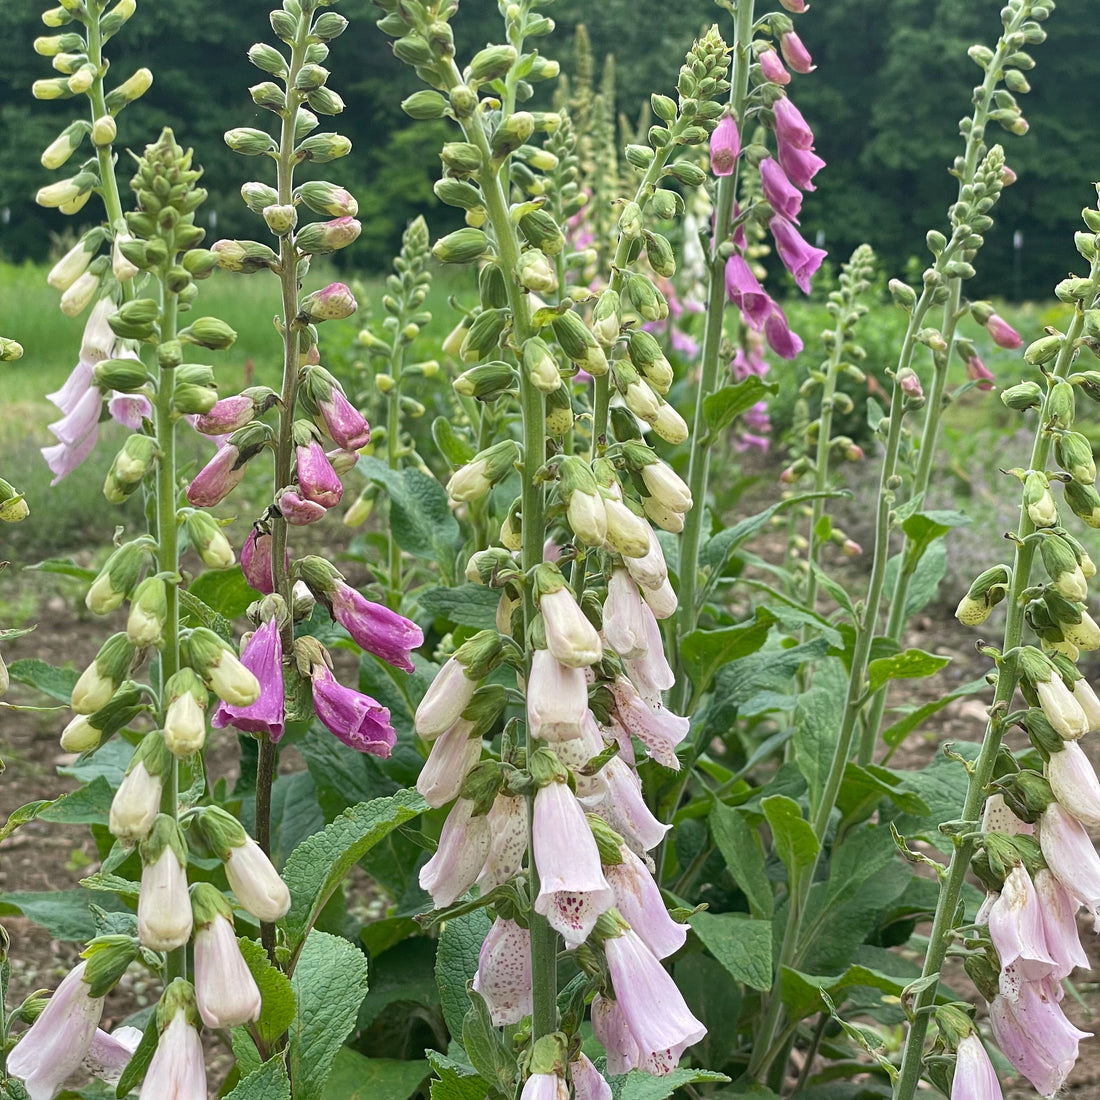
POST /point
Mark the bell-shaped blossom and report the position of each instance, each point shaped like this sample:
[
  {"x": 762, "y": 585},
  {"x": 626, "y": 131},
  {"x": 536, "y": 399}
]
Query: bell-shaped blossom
[
  {"x": 59, "y": 1039},
  {"x": 570, "y": 637},
  {"x": 1071, "y": 855},
  {"x": 317, "y": 479},
  {"x": 613, "y": 1032},
  {"x": 177, "y": 1070},
  {"x": 649, "y": 570},
  {"x": 1062, "y": 939},
  {"x": 129, "y": 409},
  {"x": 978, "y": 372},
  {"x": 572, "y": 889},
  {"x": 1017, "y": 931},
  {"x": 800, "y": 165},
  {"x": 997, "y": 817},
  {"x": 256, "y": 561},
  {"x": 660, "y": 1021},
  {"x": 639, "y": 900},
  {"x": 651, "y": 673},
  {"x": 790, "y": 127},
  {"x": 1074, "y": 783},
  {"x": 362, "y": 723},
  {"x": 725, "y": 145},
  {"x": 579, "y": 751},
  {"x": 344, "y": 423},
  {"x": 375, "y": 628},
  {"x": 263, "y": 657},
  {"x": 544, "y": 1086},
  {"x": 744, "y": 290},
  {"x": 164, "y": 912},
  {"x": 795, "y": 53},
  {"x": 448, "y": 695},
  {"x": 297, "y": 510},
  {"x": 225, "y": 990},
  {"x": 783, "y": 197},
  {"x": 452, "y": 756},
  {"x": 655, "y": 726},
  {"x": 1002, "y": 333},
  {"x": 258, "y": 886},
  {"x": 110, "y": 1052},
  {"x": 218, "y": 478},
  {"x": 588, "y": 1082},
  {"x": 975, "y": 1078},
  {"x": 624, "y": 622},
  {"x": 617, "y": 798},
  {"x": 1061, "y": 708},
  {"x": 508, "y": 826},
  {"x": 773, "y": 68},
  {"x": 557, "y": 698},
  {"x": 503, "y": 975},
  {"x": 1035, "y": 1036},
  {"x": 781, "y": 339},
  {"x": 800, "y": 258},
  {"x": 463, "y": 848}
]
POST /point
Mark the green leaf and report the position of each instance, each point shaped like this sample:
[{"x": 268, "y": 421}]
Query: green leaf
[
  {"x": 87, "y": 805},
  {"x": 838, "y": 592},
  {"x": 269, "y": 1082},
  {"x": 801, "y": 993},
  {"x": 196, "y": 612},
  {"x": 22, "y": 814},
  {"x": 722, "y": 408},
  {"x": 456, "y": 962},
  {"x": 134, "y": 1072},
  {"x": 740, "y": 848},
  {"x": 897, "y": 733},
  {"x": 65, "y": 914},
  {"x": 704, "y": 652},
  {"x": 455, "y": 448},
  {"x": 910, "y": 665},
  {"x": 277, "y": 1011},
  {"x": 484, "y": 1046},
  {"x": 64, "y": 567},
  {"x": 57, "y": 683},
  {"x": 862, "y": 788},
  {"x": 468, "y": 605},
  {"x": 741, "y": 944},
  {"x": 10, "y": 633},
  {"x": 794, "y": 839},
  {"x": 405, "y": 973},
  {"x": 454, "y": 1080},
  {"x": 224, "y": 589},
  {"x": 639, "y": 1085},
  {"x": 329, "y": 983},
  {"x": 354, "y": 1077},
  {"x": 923, "y": 528},
  {"x": 317, "y": 866},
  {"x": 715, "y": 1001},
  {"x": 817, "y": 722}
]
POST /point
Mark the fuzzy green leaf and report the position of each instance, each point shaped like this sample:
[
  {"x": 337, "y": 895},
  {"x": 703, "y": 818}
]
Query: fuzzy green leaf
[
  {"x": 354, "y": 1077},
  {"x": 722, "y": 408},
  {"x": 57, "y": 683},
  {"x": 795, "y": 842},
  {"x": 269, "y": 1082},
  {"x": 456, "y": 962},
  {"x": 740, "y": 848},
  {"x": 913, "y": 664},
  {"x": 742, "y": 945},
  {"x": 277, "y": 1011}
]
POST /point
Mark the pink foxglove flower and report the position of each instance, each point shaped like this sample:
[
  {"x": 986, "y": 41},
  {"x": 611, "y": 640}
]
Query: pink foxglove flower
[
  {"x": 650, "y": 570},
  {"x": 639, "y": 900},
  {"x": 452, "y": 756},
  {"x": 773, "y": 68},
  {"x": 785, "y": 343},
  {"x": 655, "y": 726},
  {"x": 1071, "y": 855},
  {"x": 783, "y": 197},
  {"x": 263, "y": 657},
  {"x": 557, "y": 698},
  {"x": 795, "y": 53},
  {"x": 611, "y": 1029},
  {"x": 227, "y": 415},
  {"x": 129, "y": 409},
  {"x": 316, "y": 477},
  {"x": 725, "y": 145},
  {"x": 624, "y": 623},
  {"x": 258, "y": 886},
  {"x": 578, "y": 752},
  {"x": 218, "y": 478},
  {"x": 659, "y": 1020},
  {"x": 745, "y": 291},
  {"x": 375, "y": 628},
  {"x": 1062, "y": 938},
  {"x": 799, "y": 257},
  {"x": 1087, "y": 700},
  {"x": 572, "y": 889},
  {"x": 297, "y": 510},
  {"x": 256, "y": 561},
  {"x": 344, "y": 423},
  {"x": 1002, "y": 333},
  {"x": 617, "y": 798},
  {"x": 362, "y": 723},
  {"x": 651, "y": 674},
  {"x": 225, "y": 990},
  {"x": 177, "y": 1070},
  {"x": 1074, "y": 783},
  {"x": 508, "y": 825},
  {"x": 448, "y": 695},
  {"x": 801, "y": 165},
  {"x": 975, "y": 1078},
  {"x": 164, "y": 912},
  {"x": 1016, "y": 929},
  {"x": 998, "y": 818},
  {"x": 588, "y": 1082},
  {"x": 790, "y": 127},
  {"x": 463, "y": 848},
  {"x": 544, "y": 1086},
  {"x": 978, "y": 372},
  {"x": 570, "y": 637},
  {"x": 110, "y": 1053},
  {"x": 59, "y": 1039},
  {"x": 503, "y": 975}
]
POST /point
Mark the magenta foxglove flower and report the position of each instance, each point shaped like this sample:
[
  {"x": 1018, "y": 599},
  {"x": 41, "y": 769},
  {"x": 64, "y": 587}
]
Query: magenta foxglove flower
[
  {"x": 725, "y": 145},
  {"x": 790, "y": 127},
  {"x": 772, "y": 68},
  {"x": 1003, "y": 334},
  {"x": 801, "y": 165},
  {"x": 1062, "y": 938},
  {"x": 508, "y": 825},
  {"x": 225, "y": 990},
  {"x": 1017, "y": 931},
  {"x": 263, "y": 657},
  {"x": 617, "y": 798},
  {"x": 463, "y": 848},
  {"x": 977, "y": 371},
  {"x": 781, "y": 339},
  {"x": 177, "y": 1070},
  {"x": 375, "y": 628},
  {"x": 975, "y": 1078},
  {"x": 345, "y": 424},
  {"x": 503, "y": 975},
  {"x": 217, "y": 479},
  {"x": 570, "y": 637},
  {"x": 744, "y": 290},
  {"x": 799, "y": 257},
  {"x": 452, "y": 756},
  {"x": 448, "y": 695},
  {"x": 783, "y": 197},
  {"x": 611, "y": 1029},
  {"x": 227, "y": 415},
  {"x": 624, "y": 616},
  {"x": 795, "y": 53},
  {"x": 796, "y": 6},
  {"x": 639, "y": 900},
  {"x": 557, "y": 698},
  {"x": 59, "y": 1039},
  {"x": 572, "y": 889},
  {"x": 660, "y": 1022},
  {"x": 80, "y": 420},
  {"x": 1071, "y": 855},
  {"x": 256, "y": 561},
  {"x": 297, "y": 510},
  {"x": 1074, "y": 783},
  {"x": 544, "y": 1086},
  {"x": 656, "y": 727},
  {"x": 361, "y": 722},
  {"x": 317, "y": 479},
  {"x": 588, "y": 1082}
]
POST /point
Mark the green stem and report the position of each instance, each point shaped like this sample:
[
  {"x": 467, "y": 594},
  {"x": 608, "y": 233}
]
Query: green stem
[
  {"x": 393, "y": 449},
  {"x": 981, "y": 772}
]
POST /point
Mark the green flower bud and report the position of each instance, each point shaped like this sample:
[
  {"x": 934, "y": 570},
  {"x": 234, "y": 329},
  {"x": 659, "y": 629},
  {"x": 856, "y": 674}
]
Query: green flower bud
[
  {"x": 104, "y": 131},
  {"x": 219, "y": 667},
  {"x": 630, "y": 221},
  {"x": 329, "y": 25},
  {"x": 491, "y": 287},
  {"x": 280, "y": 218},
  {"x": 325, "y": 101},
  {"x": 659, "y": 252},
  {"x": 327, "y": 199},
  {"x": 249, "y": 142},
  {"x": 13, "y": 507},
  {"x": 114, "y": 20},
  {"x": 148, "y": 613},
  {"x": 310, "y": 78},
  {"x": 209, "y": 540},
  {"x": 541, "y": 231},
  {"x": 118, "y": 577},
  {"x": 1073, "y": 453},
  {"x": 645, "y": 297},
  {"x": 687, "y": 172},
  {"x": 245, "y": 256},
  {"x": 209, "y": 332},
  {"x": 200, "y": 262},
  {"x": 129, "y": 91},
  {"x": 559, "y": 412},
  {"x": 512, "y": 132},
  {"x": 481, "y": 473},
  {"x": 135, "y": 319},
  {"x": 461, "y": 157},
  {"x": 321, "y": 148},
  {"x": 268, "y": 59},
  {"x": 458, "y": 193},
  {"x": 606, "y": 322},
  {"x": 1060, "y": 406},
  {"x": 53, "y": 88},
  {"x": 492, "y": 63},
  {"x": 1043, "y": 350},
  {"x": 483, "y": 336},
  {"x": 487, "y": 381},
  {"x": 1025, "y": 395},
  {"x": 1060, "y": 562},
  {"x": 413, "y": 49},
  {"x": 639, "y": 156},
  {"x": 129, "y": 468},
  {"x": 666, "y": 204},
  {"x": 321, "y": 238},
  {"x": 986, "y": 592},
  {"x": 64, "y": 145},
  {"x": 463, "y": 100},
  {"x": 101, "y": 679},
  {"x": 461, "y": 247},
  {"x": 1038, "y": 501},
  {"x": 1084, "y": 502},
  {"x": 540, "y": 365},
  {"x": 535, "y": 272},
  {"x": 10, "y": 350}
]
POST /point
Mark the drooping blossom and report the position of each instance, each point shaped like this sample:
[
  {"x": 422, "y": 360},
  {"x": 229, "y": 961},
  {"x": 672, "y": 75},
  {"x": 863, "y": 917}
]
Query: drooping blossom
[
  {"x": 655, "y": 726},
  {"x": 801, "y": 165},
  {"x": 1074, "y": 783},
  {"x": 624, "y": 624},
  {"x": 974, "y": 1078},
  {"x": 375, "y": 628},
  {"x": 557, "y": 698},
  {"x": 463, "y": 847},
  {"x": 783, "y": 197},
  {"x": 1071, "y": 855},
  {"x": 503, "y": 975},
  {"x": 772, "y": 67},
  {"x": 639, "y": 900},
  {"x": 1061, "y": 936},
  {"x": 263, "y": 657},
  {"x": 544, "y": 1086},
  {"x": 651, "y": 673},
  {"x": 570, "y": 637},
  {"x": 611, "y": 1029},
  {"x": 218, "y": 478},
  {"x": 317, "y": 480},
  {"x": 978, "y": 372},
  {"x": 588, "y": 1082},
  {"x": 256, "y": 561},
  {"x": 260, "y": 889},
  {"x": 781, "y": 339},
  {"x": 790, "y": 127},
  {"x": 164, "y": 913},
  {"x": 359, "y": 721},
  {"x": 227, "y": 415},
  {"x": 345, "y": 425},
  {"x": 1016, "y": 929},
  {"x": 615, "y": 793},
  {"x": 452, "y": 756},
  {"x": 1002, "y": 333},
  {"x": 447, "y": 697},
  {"x": 226, "y": 992},
  {"x": 744, "y": 290},
  {"x": 178, "y": 1069},
  {"x": 799, "y": 257},
  {"x": 296, "y": 509},
  {"x": 508, "y": 826},
  {"x": 725, "y": 145},
  {"x": 110, "y": 1052},
  {"x": 795, "y": 53}
]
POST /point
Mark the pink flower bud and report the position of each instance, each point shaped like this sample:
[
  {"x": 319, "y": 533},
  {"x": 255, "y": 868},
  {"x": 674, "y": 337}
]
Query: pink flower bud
[
  {"x": 463, "y": 847},
  {"x": 796, "y": 6},
  {"x": 361, "y": 722},
  {"x": 446, "y": 698},
  {"x": 725, "y": 145},
  {"x": 177, "y": 1068},
  {"x": 790, "y": 127},
  {"x": 772, "y": 68},
  {"x": 259, "y": 889},
  {"x": 503, "y": 975},
  {"x": 624, "y": 625},
  {"x": 909, "y": 382},
  {"x": 648, "y": 570},
  {"x": 345, "y": 425},
  {"x": 795, "y": 53},
  {"x": 975, "y": 1078},
  {"x": 217, "y": 479},
  {"x": 135, "y": 805},
  {"x": 263, "y": 657},
  {"x": 331, "y": 303},
  {"x": 557, "y": 698},
  {"x": 296, "y": 510},
  {"x": 978, "y": 372},
  {"x": 452, "y": 756},
  {"x": 1008, "y": 176},
  {"x": 1002, "y": 333},
  {"x": 783, "y": 197},
  {"x": 800, "y": 258},
  {"x": 229, "y": 414},
  {"x": 570, "y": 637},
  {"x": 256, "y": 561},
  {"x": 744, "y": 290},
  {"x": 225, "y": 990},
  {"x": 164, "y": 913},
  {"x": 317, "y": 479}
]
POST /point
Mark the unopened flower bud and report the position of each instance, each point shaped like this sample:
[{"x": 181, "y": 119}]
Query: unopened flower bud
[
  {"x": 137, "y": 800},
  {"x": 988, "y": 590},
  {"x": 130, "y": 467},
  {"x": 249, "y": 142},
  {"x": 486, "y": 382},
  {"x": 148, "y": 612},
  {"x": 101, "y": 679},
  {"x": 117, "y": 578},
  {"x": 1043, "y": 350},
  {"x": 129, "y": 90},
  {"x": 477, "y": 477},
  {"x": 331, "y": 303},
  {"x": 1025, "y": 395},
  {"x": 535, "y": 272},
  {"x": 185, "y": 714},
  {"x": 319, "y": 238},
  {"x": 219, "y": 667},
  {"x": 13, "y": 506}
]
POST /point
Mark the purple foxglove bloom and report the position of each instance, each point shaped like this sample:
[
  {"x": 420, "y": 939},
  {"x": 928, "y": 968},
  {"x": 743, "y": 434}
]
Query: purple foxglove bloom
[
  {"x": 651, "y": 674},
  {"x": 227, "y": 415},
  {"x": 225, "y": 990},
  {"x": 74, "y": 387},
  {"x": 611, "y": 1029},
  {"x": 795, "y": 53},
  {"x": 975, "y": 1078},
  {"x": 656, "y": 727},
  {"x": 260, "y": 889},
  {"x": 1002, "y": 333},
  {"x": 316, "y": 477},
  {"x": 375, "y": 628},
  {"x": 783, "y": 197},
  {"x": 617, "y": 798},
  {"x": 79, "y": 421},
  {"x": 452, "y": 756},
  {"x": 503, "y": 975},
  {"x": 62, "y": 458},
  {"x": 785, "y": 343},
  {"x": 361, "y": 722},
  {"x": 1017, "y": 931},
  {"x": 624, "y": 625},
  {"x": 790, "y": 127},
  {"x": 639, "y": 900},
  {"x": 217, "y": 479},
  {"x": 688, "y": 348},
  {"x": 109, "y": 1053},
  {"x": 256, "y": 561},
  {"x": 745, "y": 291},
  {"x": 570, "y": 637},
  {"x": 799, "y": 258},
  {"x": 659, "y": 1020},
  {"x": 801, "y": 165},
  {"x": 1063, "y": 940},
  {"x": 59, "y": 1039},
  {"x": 797, "y": 6},
  {"x": 557, "y": 698},
  {"x": 263, "y": 657},
  {"x": 588, "y": 1082},
  {"x": 345, "y": 424},
  {"x": 977, "y": 371},
  {"x": 572, "y": 889},
  {"x": 544, "y": 1086},
  {"x": 463, "y": 849},
  {"x": 508, "y": 825},
  {"x": 129, "y": 409},
  {"x": 1071, "y": 855},
  {"x": 725, "y": 145},
  {"x": 177, "y": 1071},
  {"x": 164, "y": 913},
  {"x": 773, "y": 68},
  {"x": 1074, "y": 783},
  {"x": 448, "y": 695},
  {"x": 1035, "y": 1036},
  {"x": 296, "y": 510}
]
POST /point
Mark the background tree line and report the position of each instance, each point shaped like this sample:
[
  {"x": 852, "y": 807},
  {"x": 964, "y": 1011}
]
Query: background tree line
[{"x": 893, "y": 80}]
